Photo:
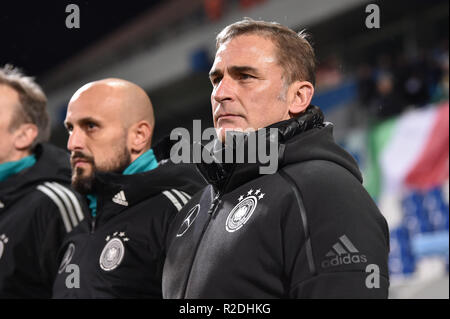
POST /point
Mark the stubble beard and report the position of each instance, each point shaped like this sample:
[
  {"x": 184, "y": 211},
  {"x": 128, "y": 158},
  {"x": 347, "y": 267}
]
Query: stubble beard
[{"x": 84, "y": 182}]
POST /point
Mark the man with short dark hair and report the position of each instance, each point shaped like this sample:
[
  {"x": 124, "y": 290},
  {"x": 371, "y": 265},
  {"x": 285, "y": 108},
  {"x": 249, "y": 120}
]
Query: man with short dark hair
[
  {"x": 309, "y": 230},
  {"x": 37, "y": 206},
  {"x": 134, "y": 192}
]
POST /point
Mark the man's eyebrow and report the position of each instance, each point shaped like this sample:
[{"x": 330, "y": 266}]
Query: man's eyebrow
[
  {"x": 215, "y": 73},
  {"x": 88, "y": 119},
  {"x": 242, "y": 69},
  {"x": 234, "y": 69},
  {"x": 83, "y": 121}
]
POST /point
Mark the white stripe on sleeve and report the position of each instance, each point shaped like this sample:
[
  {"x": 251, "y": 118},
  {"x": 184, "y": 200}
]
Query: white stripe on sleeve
[
  {"x": 172, "y": 198},
  {"x": 181, "y": 196},
  {"x": 59, "y": 204},
  {"x": 67, "y": 202},
  {"x": 74, "y": 199}
]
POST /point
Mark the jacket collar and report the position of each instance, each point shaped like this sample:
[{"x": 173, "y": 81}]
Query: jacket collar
[
  {"x": 304, "y": 138},
  {"x": 52, "y": 164},
  {"x": 117, "y": 192},
  {"x": 11, "y": 168}
]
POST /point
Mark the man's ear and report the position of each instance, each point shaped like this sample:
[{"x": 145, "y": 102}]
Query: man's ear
[
  {"x": 140, "y": 137},
  {"x": 25, "y": 135},
  {"x": 301, "y": 93}
]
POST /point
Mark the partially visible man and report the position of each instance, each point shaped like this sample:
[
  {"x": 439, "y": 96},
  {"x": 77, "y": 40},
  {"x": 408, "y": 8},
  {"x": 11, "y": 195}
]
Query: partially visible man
[
  {"x": 37, "y": 206},
  {"x": 134, "y": 192},
  {"x": 310, "y": 230}
]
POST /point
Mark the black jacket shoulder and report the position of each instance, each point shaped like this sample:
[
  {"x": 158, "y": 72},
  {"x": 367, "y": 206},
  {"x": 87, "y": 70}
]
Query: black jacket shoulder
[{"x": 38, "y": 209}]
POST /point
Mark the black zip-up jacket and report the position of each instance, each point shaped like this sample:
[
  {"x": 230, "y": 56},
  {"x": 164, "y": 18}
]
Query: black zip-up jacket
[
  {"x": 37, "y": 209},
  {"x": 308, "y": 231},
  {"x": 120, "y": 253}
]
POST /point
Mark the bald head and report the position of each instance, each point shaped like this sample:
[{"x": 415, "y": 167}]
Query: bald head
[
  {"x": 110, "y": 123},
  {"x": 129, "y": 101}
]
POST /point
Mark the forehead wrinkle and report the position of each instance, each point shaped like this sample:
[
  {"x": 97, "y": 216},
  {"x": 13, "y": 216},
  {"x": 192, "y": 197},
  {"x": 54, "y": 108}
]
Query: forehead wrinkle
[
  {"x": 96, "y": 106},
  {"x": 245, "y": 47}
]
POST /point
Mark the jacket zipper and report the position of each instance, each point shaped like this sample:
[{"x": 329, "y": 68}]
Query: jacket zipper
[
  {"x": 211, "y": 211},
  {"x": 214, "y": 204},
  {"x": 94, "y": 219}
]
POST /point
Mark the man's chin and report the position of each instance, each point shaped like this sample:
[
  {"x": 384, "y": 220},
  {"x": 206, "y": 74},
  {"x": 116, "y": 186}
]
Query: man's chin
[
  {"x": 83, "y": 184},
  {"x": 222, "y": 132}
]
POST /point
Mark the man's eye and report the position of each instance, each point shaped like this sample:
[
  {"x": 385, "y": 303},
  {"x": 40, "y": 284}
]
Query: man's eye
[
  {"x": 91, "y": 126},
  {"x": 244, "y": 76},
  {"x": 216, "y": 80}
]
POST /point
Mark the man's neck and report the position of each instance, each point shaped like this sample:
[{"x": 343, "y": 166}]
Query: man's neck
[
  {"x": 13, "y": 167},
  {"x": 137, "y": 155},
  {"x": 145, "y": 162},
  {"x": 16, "y": 155}
]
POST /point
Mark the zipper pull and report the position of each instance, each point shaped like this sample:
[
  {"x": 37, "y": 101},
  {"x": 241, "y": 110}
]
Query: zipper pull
[
  {"x": 93, "y": 225},
  {"x": 214, "y": 203}
]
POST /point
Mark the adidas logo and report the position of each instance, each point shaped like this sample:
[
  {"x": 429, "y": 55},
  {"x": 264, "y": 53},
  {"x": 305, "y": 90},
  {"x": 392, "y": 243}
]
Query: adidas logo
[
  {"x": 120, "y": 199},
  {"x": 343, "y": 253}
]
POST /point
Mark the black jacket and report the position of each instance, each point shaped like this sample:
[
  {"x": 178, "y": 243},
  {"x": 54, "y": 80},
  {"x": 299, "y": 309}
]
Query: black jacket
[
  {"x": 120, "y": 253},
  {"x": 37, "y": 209},
  {"x": 308, "y": 231}
]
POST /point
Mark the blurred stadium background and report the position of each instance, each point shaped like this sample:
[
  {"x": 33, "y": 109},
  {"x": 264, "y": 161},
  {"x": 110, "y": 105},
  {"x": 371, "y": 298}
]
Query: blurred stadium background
[{"x": 386, "y": 90}]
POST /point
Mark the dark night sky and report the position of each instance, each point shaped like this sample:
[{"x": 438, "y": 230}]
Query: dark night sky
[{"x": 33, "y": 34}]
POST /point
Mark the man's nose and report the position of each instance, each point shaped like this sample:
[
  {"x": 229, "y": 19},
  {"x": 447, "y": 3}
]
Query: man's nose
[
  {"x": 76, "y": 140},
  {"x": 224, "y": 90}
]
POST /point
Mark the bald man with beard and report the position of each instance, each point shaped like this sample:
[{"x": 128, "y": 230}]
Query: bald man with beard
[{"x": 133, "y": 192}]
